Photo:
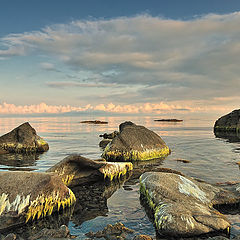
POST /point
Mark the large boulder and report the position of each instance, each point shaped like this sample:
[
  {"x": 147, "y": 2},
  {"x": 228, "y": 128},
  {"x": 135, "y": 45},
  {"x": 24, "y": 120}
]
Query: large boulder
[
  {"x": 182, "y": 206},
  {"x": 27, "y": 196},
  {"x": 75, "y": 170},
  {"x": 22, "y": 139},
  {"x": 228, "y": 123},
  {"x": 135, "y": 143}
]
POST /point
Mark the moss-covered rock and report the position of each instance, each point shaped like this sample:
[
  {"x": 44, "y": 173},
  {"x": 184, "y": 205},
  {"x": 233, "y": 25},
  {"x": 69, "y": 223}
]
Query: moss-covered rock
[
  {"x": 27, "y": 196},
  {"x": 22, "y": 139},
  {"x": 228, "y": 123},
  {"x": 135, "y": 143},
  {"x": 182, "y": 206},
  {"x": 75, "y": 170}
]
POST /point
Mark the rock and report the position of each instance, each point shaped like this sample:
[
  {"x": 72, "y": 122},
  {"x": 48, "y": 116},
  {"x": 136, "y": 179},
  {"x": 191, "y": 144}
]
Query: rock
[
  {"x": 236, "y": 237},
  {"x": 27, "y": 196},
  {"x": 22, "y": 139},
  {"x": 75, "y": 170},
  {"x": 168, "y": 120},
  {"x": 111, "y": 232},
  {"x": 228, "y": 123},
  {"x": 110, "y": 135},
  {"x": 135, "y": 143},
  {"x": 182, "y": 206},
  {"x": 104, "y": 143},
  {"x": 94, "y": 122},
  {"x": 10, "y": 236},
  {"x": 62, "y": 232},
  {"x": 142, "y": 237}
]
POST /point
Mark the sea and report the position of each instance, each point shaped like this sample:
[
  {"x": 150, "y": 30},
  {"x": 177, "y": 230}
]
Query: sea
[{"x": 209, "y": 158}]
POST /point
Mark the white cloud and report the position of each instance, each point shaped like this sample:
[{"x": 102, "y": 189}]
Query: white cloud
[{"x": 170, "y": 60}]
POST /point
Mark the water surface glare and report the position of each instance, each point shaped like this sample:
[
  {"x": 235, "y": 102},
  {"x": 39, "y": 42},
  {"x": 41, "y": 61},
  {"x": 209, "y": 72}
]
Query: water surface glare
[{"x": 211, "y": 159}]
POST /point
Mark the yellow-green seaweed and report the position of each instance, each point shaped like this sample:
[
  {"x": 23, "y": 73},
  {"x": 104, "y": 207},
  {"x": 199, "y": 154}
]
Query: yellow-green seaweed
[
  {"x": 115, "y": 170},
  {"x": 44, "y": 205},
  {"x": 134, "y": 155}
]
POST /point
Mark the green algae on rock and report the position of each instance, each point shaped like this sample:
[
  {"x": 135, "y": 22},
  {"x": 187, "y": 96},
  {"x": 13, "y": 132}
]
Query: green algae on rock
[
  {"x": 182, "y": 206},
  {"x": 27, "y": 196},
  {"x": 135, "y": 143},
  {"x": 22, "y": 139},
  {"x": 75, "y": 170},
  {"x": 228, "y": 123}
]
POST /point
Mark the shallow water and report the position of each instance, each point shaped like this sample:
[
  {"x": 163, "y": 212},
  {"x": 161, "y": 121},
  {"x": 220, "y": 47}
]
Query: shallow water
[{"x": 211, "y": 159}]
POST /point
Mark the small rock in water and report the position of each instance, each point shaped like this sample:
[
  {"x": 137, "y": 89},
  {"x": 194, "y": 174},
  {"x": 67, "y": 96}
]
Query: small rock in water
[
  {"x": 111, "y": 232},
  {"x": 62, "y": 232},
  {"x": 142, "y": 237},
  {"x": 10, "y": 236},
  {"x": 95, "y": 122}
]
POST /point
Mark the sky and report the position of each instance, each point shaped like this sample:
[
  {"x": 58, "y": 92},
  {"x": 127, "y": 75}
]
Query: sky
[{"x": 168, "y": 58}]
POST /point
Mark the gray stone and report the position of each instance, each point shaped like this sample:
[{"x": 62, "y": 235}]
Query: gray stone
[
  {"x": 75, "y": 170},
  {"x": 27, "y": 196},
  {"x": 135, "y": 143},
  {"x": 182, "y": 206},
  {"x": 62, "y": 232},
  {"x": 22, "y": 139}
]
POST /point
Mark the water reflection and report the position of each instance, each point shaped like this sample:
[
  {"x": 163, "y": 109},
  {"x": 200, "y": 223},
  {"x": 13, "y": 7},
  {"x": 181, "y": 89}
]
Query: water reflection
[
  {"x": 232, "y": 137},
  {"x": 54, "y": 221},
  {"x": 17, "y": 161},
  {"x": 92, "y": 199}
]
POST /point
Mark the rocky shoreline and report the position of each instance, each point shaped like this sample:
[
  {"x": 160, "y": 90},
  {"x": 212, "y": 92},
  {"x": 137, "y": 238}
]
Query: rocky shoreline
[{"x": 78, "y": 188}]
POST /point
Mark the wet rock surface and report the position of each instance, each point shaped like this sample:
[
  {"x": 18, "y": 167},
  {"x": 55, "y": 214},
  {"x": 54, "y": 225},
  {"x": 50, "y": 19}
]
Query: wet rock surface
[
  {"x": 135, "y": 143},
  {"x": 22, "y": 139},
  {"x": 228, "y": 123},
  {"x": 182, "y": 206},
  {"x": 28, "y": 196},
  {"x": 75, "y": 170}
]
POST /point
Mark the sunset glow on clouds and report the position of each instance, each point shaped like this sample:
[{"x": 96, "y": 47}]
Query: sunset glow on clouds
[
  {"x": 141, "y": 64},
  {"x": 146, "y": 108}
]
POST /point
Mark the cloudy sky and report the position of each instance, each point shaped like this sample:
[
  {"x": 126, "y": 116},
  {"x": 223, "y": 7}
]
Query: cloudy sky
[{"x": 161, "y": 57}]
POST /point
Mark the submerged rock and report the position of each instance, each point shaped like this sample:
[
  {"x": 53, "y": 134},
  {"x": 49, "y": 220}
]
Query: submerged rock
[
  {"x": 134, "y": 143},
  {"x": 182, "y": 206},
  {"x": 27, "y": 196},
  {"x": 22, "y": 139},
  {"x": 75, "y": 170},
  {"x": 228, "y": 123}
]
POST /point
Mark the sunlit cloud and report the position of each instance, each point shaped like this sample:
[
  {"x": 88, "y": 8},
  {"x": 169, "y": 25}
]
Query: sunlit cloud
[
  {"x": 159, "y": 60},
  {"x": 146, "y": 108}
]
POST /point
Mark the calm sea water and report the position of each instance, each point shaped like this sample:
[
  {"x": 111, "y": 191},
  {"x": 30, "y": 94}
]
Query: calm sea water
[{"x": 211, "y": 159}]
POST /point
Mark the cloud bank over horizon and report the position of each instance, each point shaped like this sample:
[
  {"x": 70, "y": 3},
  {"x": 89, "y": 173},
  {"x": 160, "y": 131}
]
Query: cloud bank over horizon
[{"x": 134, "y": 62}]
